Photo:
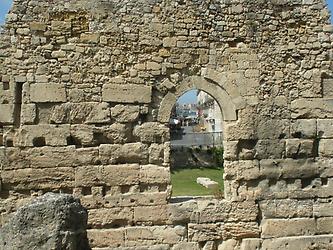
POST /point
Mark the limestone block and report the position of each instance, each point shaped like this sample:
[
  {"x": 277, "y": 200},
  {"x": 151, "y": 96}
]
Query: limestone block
[
  {"x": 99, "y": 238},
  {"x": 230, "y": 151},
  {"x": 37, "y": 26},
  {"x": 82, "y": 135},
  {"x": 129, "y": 93},
  {"x": 323, "y": 209},
  {"x": 250, "y": 244},
  {"x": 77, "y": 113},
  {"x": 99, "y": 218},
  {"x": 288, "y": 208},
  {"x": 156, "y": 153},
  {"x": 50, "y": 157},
  {"x": 23, "y": 31},
  {"x": 207, "y": 183},
  {"x": 301, "y": 242},
  {"x": 240, "y": 230},
  {"x": 292, "y": 227},
  {"x": 29, "y": 178},
  {"x": 61, "y": 26},
  {"x": 127, "y": 153},
  {"x": 136, "y": 236},
  {"x": 326, "y": 148},
  {"x": 181, "y": 212},
  {"x": 169, "y": 42},
  {"x": 299, "y": 148},
  {"x": 89, "y": 38},
  {"x": 151, "y": 214},
  {"x": 312, "y": 108},
  {"x": 205, "y": 232},
  {"x": 269, "y": 149},
  {"x": 6, "y": 113},
  {"x": 112, "y": 175},
  {"x": 213, "y": 210},
  {"x": 304, "y": 128},
  {"x": 100, "y": 113},
  {"x": 47, "y": 92},
  {"x": 116, "y": 133},
  {"x": 133, "y": 199},
  {"x": 28, "y": 114},
  {"x": 325, "y": 225},
  {"x": 272, "y": 128},
  {"x": 229, "y": 245},
  {"x": 59, "y": 221},
  {"x": 43, "y": 135},
  {"x": 154, "y": 174},
  {"x": 152, "y": 132},
  {"x": 126, "y": 114},
  {"x": 241, "y": 170},
  {"x": 325, "y": 128},
  {"x": 186, "y": 246},
  {"x": 270, "y": 168},
  {"x": 327, "y": 88}
]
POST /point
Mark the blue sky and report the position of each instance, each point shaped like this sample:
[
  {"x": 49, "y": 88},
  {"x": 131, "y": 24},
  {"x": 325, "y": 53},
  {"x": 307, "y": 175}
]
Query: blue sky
[{"x": 4, "y": 8}]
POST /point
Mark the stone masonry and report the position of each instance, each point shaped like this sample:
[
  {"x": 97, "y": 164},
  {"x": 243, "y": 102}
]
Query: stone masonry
[{"x": 87, "y": 88}]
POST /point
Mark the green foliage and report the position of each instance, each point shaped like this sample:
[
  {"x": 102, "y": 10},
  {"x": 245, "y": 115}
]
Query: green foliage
[
  {"x": 218, "y": 156},
  {"x": 184, "y": 181}
]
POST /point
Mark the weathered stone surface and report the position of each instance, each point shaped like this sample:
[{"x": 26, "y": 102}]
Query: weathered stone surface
[
  {"x": 43, "y": 135},
  {"x": 87, "y": 89},
  {"x": 7, "y": 113},
  {"x": 325, "y": 128},
  {"x": 302, "y": 242},
  {"x": 204, "y": 232},
  {"x": 126, "y": 113},
  {"x": 154, "y": 174},
  {"x": 53, "y": 221},
  {"x": 326, "y": 148},
  {"x": 110, "y": 217},
  {"x": 241, "y": 170},
  {"x": 304, "y": 128},
  {"x": 47, "y": 92},
  {"x": 286, "y": 208},
  {"x": 312, "y": 108},
  {"x": 129, "y": 153},
  {"x": 151, "y": 214},
  {"x": 77, "y": 113},
  {"x": 299, "y": 148},
  {"x": 152, "y": 132},
  {"x": 240, "y": 230},
  {"x": 28, "y": 114},
  {"x": 127, "y": 93},
  {"x": 113, "y": 175},
  {"x": 29, "y": 178},
  {"x": 292, "y": 227}
]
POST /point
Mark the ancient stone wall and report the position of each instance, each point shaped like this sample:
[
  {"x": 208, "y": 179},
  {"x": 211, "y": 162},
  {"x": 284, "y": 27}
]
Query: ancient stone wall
[{"x": 87, "y": 88}]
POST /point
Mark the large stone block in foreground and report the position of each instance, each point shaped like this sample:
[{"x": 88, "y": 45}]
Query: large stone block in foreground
[{"x": 53, "y": 221}]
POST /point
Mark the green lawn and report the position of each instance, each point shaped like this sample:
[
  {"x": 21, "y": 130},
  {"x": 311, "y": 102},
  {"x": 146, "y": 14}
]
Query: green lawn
[{"x": 184, "y": 181}]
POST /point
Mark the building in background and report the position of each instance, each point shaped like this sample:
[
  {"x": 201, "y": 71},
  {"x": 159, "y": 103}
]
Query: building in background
[{"x": 209, "y": 112}]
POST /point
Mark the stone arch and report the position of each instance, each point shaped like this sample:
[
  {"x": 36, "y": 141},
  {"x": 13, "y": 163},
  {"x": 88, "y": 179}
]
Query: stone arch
[{"x": 225, "y": 101}]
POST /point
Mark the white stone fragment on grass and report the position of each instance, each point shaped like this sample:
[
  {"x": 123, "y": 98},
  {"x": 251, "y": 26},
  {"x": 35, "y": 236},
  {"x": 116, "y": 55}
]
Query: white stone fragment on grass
[{"x": 207, "y": 183}]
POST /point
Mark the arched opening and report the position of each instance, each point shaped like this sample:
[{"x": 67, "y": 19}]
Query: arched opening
[{"x": 196, "y": 159}]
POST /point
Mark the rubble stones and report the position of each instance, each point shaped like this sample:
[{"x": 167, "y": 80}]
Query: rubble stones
[{"x": 53, "y": 221}]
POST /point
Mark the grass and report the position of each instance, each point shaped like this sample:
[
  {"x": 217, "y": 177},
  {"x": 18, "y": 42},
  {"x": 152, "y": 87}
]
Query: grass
[{"x": 184, "y": 181}]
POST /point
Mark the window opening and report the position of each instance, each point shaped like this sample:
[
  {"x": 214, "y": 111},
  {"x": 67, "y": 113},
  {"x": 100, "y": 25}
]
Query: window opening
[{"x": 196, "y": 146}]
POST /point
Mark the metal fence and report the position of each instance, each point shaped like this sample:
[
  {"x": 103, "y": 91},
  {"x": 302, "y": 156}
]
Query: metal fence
[{"x": 196, "y": 139}]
